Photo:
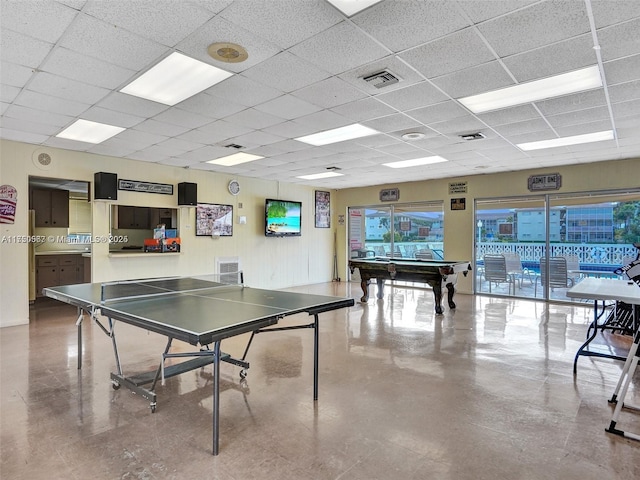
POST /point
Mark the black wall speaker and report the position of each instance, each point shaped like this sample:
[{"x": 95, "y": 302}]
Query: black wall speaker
[
  {"x": 187, "y": 193},
  {"x": 105, "y": 186}
]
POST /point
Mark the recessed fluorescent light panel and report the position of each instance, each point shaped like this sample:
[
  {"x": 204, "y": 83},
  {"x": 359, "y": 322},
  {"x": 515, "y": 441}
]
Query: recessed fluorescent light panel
[
  {"x": 351, "y": 7},
  {"x": 90, "y": 132},
  {"x": 572, "y": 82},
  {"x": 316, "y": 176},
  {"x": 235, "y": 159},
  {"x": 175, "y": 79},
  {"x": 565, "y": 141},
  {"x": 416, "y": 162},
  {"x": 338, "y": 135}
]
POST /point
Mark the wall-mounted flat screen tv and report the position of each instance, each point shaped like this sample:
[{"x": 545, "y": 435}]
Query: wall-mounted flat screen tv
[{"x": 283, "y": 218}]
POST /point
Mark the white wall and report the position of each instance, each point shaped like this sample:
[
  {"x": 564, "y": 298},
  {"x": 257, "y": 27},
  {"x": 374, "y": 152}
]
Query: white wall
[{"x": 266, "y": 262}]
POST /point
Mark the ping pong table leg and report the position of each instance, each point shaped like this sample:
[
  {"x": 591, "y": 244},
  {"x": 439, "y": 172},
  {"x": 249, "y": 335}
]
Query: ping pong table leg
[
  {"x": 79, "y": 325},
  {"x": 316, "y": 336},
  {"x": 216, "y": 396}
]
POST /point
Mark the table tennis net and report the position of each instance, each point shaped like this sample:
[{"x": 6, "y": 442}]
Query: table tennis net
[{"x": 126, "y": 290}]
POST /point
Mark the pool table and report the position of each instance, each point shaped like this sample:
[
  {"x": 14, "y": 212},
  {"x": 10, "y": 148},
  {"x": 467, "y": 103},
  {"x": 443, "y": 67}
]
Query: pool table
[{"x": 435, "y": 273}]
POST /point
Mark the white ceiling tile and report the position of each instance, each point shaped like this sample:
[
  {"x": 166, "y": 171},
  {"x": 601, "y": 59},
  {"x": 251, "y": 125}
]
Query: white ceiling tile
[
  {"x": 526, "y": 126},
  {"x": 30, "y": 114},
  {"x": 391, "y": 123},
  {"x": 165, "y": 22},
  {"x": 39, "y": 101},
  {"x": 286, "y": 72},
  {"x": 339, "y": 48},
  {"x": 119, "y": 119},
  {"x": 329, "y": 93},
  {"x": 160, "y": 128},
  {"x": 273, "y": 20},
  {"x": 364, "y": 109},
  {"x": 239, "y": 89},
  {"x": 620, "y": 40},
  {"x": 30, "y": 126},
  {"x": 140, "y": 138},
  {"x": 211, "y": 106},
  {"x": 454, "y": 52},
  {"x": 478, "y": 79},
  {"x": 121, "y": 102},
  {"x": 22, "y": 136},
  {"x": 584, "y": 128},
  {"x": 411, "y": 97},
  {"x": 57, "y": 86},
  {"x": 323, "y": 120},
  {"x": 579, "y": 116},
  {"x": 481, "y": 11},
  {"x": 288, "y": 107},
  {"x": 222, "y": 130},
  {"x": 177, "y": 162},
  {"x": 560, "y": 23},
  {"x": 609, "y": 12},
  {"x": 626, "y": 109},
  {"x": 178, "y": 145},
  {"x": 184, "y": 118},
  {"x": 204, "y": 154},
  {"x": 573, "y": 102},
  {"x": 555, "y": 59},
  {"x": 14, "y": 75},
  {"x": 8, "y": 93},
  {"x": 408, "y": 26},
  {"x": 625, "y": 91},
  {"x": 459, "y": 126},
  {"x": 508, "y": 115},
  {"x": 253, "y": 118},
  {"x": 113, "y": 147},
  {"x": 88, "y": 35},
  {"x": 42, "y": 20},
  {"x": 23, "y": 50},
  {"x": 622, "y": 70},
  {"x": 83, "y": 68},
  {"x": 439, "y": 112},
  {"x": 255, "y": 139}
]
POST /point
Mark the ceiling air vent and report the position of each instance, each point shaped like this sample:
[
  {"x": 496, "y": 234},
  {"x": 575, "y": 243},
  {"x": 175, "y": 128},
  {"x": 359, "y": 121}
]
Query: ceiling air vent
[
  {"x": 234, "y": 145},
  {"x": 381, "y": 79},
  {"x": 472, "y": 136}
]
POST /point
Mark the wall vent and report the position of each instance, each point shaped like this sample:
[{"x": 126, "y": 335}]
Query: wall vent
[
  {"x": 228, "y": 269},
  {"x": 381, "y": 79}
]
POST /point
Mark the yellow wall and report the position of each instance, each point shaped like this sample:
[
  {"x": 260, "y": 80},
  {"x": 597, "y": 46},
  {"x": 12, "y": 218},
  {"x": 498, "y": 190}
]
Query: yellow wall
[
  {"x": 267, "y": 262},
  {"x": 459, "y": 225}
]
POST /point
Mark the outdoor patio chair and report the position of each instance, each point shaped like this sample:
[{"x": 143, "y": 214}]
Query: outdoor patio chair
[
  {"x": 515, "y": 268},
  {"x": 558, "y": 274},
  {"x": 425, "y": 254},
  {"x": 495, "y": 272}
]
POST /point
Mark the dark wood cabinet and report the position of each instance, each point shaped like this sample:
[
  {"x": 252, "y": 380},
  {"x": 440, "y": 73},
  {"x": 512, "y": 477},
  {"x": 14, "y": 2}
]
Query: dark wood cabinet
[
  {"x": 51, "y": 207},
  {"x": 55, "y": 270},
  {"x": 134, "y": 217}
]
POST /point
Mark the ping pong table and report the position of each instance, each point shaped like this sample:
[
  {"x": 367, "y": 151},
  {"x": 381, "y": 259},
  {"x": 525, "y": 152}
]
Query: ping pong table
[{"x": 196, "y": 310}]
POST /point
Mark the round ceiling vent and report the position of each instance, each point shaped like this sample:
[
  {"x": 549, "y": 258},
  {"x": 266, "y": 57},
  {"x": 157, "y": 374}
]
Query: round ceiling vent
[
  {"x": 227, "y": 52},
  {"x": 42, "y": 160},
  {"x": 413, "y": 136}
]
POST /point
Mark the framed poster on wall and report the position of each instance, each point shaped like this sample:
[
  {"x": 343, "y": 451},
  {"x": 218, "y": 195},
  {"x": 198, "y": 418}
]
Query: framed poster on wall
[
  {"x": 323, "y": 209},
  {"x": 214, "y": 219}
]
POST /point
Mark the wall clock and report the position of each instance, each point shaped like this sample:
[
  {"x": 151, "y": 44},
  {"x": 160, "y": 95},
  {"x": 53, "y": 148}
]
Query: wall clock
[{"x": 234, "y": 187}]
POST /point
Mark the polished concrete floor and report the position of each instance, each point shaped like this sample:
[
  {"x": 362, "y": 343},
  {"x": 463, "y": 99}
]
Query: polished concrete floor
[{"x": 482, "y": 392}]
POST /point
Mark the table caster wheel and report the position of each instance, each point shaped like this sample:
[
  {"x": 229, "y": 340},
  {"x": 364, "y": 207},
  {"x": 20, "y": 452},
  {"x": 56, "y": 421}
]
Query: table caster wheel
[
  {"x": 243, "y": 374},
  {"x": 115, "y": 385},
  {"x": 153, "y": 407}
]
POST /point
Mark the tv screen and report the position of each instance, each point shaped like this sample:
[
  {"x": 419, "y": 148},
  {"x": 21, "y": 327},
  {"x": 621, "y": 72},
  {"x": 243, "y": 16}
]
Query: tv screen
[{"x": 283, "y": 218}]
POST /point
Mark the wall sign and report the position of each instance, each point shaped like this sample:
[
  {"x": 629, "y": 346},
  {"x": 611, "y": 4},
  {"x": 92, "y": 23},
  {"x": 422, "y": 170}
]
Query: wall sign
[
  {"x": 145, "y": 187},
  {"x": 458, "y": 204},
  {"x": 8, "y": 202},
  {"x": 548, "y": 181},
  {"x": 457, "y": 187},
  {"x": 390, "y": 195}
]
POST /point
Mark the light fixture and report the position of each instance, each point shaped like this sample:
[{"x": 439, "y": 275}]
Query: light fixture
[
  {"x": 416, "y": 162},
  {"x": 411, "y": 136},
  {"x": 88, "y": 131},
  {"x": 576, "y": 81},
  {"x": 316, "y": 176},
  {"x": 235, "y": 159},
  {"x": 565, "y": 141},
  {"x": 351, "y": 7},
  {"x": 175, "y": 79},
  {"x": 338, "y": 135}
]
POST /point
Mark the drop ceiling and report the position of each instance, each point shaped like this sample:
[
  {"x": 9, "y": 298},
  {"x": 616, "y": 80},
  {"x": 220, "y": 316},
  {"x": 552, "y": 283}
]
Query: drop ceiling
[{"x": 67, "y": 59}]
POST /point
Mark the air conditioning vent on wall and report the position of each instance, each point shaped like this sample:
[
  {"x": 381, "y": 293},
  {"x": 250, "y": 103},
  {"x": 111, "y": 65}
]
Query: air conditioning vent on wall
[{"x": 381, "y": 79}]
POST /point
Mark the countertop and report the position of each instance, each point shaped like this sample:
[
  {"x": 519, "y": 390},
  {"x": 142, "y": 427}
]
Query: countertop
[{"x": 63, "y": 252}]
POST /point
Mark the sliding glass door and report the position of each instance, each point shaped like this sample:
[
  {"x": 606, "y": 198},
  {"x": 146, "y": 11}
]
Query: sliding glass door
[{"x": 571, "y": 236}]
